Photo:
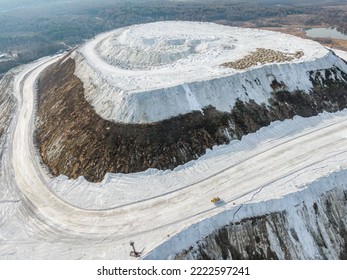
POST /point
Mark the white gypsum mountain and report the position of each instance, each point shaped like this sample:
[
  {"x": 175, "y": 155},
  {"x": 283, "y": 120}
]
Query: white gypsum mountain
[
  {"x": 165, "y": 212},
  {"x": 179, "y": 66}
]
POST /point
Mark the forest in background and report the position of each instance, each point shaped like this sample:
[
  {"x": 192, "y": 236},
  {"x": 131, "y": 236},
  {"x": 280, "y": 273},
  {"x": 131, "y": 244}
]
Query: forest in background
[{"x": 30, "y": 29}]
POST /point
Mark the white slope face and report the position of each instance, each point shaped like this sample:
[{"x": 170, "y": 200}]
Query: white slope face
[
  {"x": 268, "y": 167},
  {"x": 151, "y": 72}
]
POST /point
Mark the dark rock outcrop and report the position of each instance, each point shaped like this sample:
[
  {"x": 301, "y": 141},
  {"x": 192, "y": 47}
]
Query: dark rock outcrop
[{"x": 315, "y": 230}]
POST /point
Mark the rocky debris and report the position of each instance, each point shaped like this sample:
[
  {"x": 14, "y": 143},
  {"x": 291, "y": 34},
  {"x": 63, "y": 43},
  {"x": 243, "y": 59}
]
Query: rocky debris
[
  {"x": 328, "y": 94},
  {"x": 323, "y": 224},
  {"x": 75, "y": 141},
  {"x": 262, "y": 56}
]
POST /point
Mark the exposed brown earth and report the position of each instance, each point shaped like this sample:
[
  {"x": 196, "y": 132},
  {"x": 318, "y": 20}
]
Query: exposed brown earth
[
  {"x": 75, "y": 141},
  {"x": 262, "y": 56}
]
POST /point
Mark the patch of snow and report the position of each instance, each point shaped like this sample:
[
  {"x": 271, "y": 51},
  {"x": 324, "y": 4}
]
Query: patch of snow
[
  {"x": 341, "y": 54},
  {"x": 192, "y": 102}
]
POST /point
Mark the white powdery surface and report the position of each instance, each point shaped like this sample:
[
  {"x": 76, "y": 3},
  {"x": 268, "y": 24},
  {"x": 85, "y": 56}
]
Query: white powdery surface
[
  {"x": 293, "y": 203},
  {"x": 271, "y": 170},
  {"x": 341, "y": 54},
  {"x": 151, "y": 72},
  {"x": 265, "y": 172},
  {"x": 276, "y": 157}
]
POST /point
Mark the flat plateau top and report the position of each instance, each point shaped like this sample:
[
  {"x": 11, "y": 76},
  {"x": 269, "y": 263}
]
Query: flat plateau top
[{"x": 163, "y": 54}]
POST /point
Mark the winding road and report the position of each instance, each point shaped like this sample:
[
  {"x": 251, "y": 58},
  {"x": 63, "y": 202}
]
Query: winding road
[{"x": 52, "y": 224}]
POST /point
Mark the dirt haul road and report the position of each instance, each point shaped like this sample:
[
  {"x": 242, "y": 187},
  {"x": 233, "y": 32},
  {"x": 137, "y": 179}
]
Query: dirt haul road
[{"x": 149, "y": 222}]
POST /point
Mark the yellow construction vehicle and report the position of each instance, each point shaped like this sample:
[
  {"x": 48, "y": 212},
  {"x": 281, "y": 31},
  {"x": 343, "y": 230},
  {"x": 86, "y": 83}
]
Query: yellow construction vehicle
[{"x": 215, "y": 199}]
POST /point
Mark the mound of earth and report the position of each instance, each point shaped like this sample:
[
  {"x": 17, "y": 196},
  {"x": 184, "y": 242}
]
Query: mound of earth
[{"x": 158, "y": 95}]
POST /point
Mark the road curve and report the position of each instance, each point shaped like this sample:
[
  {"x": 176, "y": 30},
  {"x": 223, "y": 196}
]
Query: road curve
[{"x": 178, "y": 209}]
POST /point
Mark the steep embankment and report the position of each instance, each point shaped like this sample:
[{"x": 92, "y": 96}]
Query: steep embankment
[
  {"x": 37, "y": 224},
  {"x": 315, "y": 228},
  {"x": 128, "y": 112},
  {"x": 75, "y": 141}
]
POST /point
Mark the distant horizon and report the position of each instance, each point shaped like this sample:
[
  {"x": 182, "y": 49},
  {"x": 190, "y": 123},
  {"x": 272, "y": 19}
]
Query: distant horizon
[{"x": 31, "y": 29}]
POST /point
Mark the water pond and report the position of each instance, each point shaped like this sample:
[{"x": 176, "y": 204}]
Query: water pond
[{"x": 331, "y": 33}]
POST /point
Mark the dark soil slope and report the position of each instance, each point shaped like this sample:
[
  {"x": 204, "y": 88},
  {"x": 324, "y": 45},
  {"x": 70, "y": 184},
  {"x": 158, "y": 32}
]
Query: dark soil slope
[{"x": 75, "y": 141}]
